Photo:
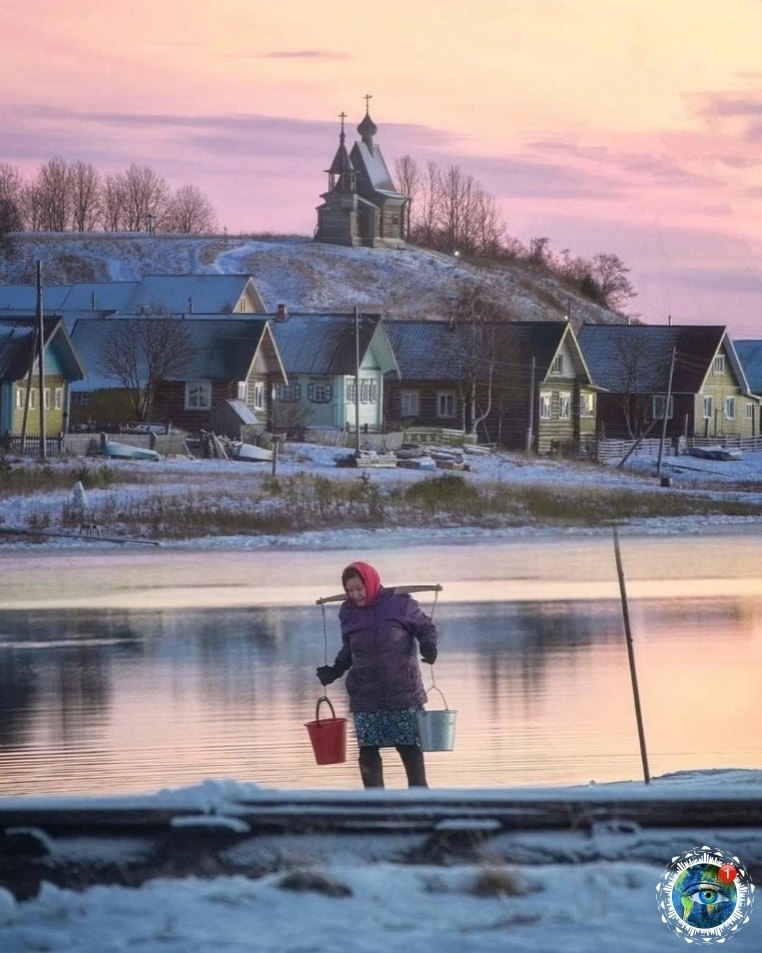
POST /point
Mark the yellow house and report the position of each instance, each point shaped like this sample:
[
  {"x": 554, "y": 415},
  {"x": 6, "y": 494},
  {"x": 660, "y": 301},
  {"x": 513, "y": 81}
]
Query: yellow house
[{"x": 20, "y": 392}]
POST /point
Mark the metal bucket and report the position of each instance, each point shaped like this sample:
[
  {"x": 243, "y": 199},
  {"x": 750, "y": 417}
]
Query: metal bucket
[{"x": 436, "y": 729}]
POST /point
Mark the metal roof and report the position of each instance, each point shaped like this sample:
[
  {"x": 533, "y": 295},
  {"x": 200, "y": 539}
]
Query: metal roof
[
  {"x": 17, "y": 343},
  {"x": 224, "y": 348},
  {"x": 750, "y": 356},
  {"x": 324, "y": 344},
  {"x": 436, "y": 350},
  {"x": 636, "y": 358}
]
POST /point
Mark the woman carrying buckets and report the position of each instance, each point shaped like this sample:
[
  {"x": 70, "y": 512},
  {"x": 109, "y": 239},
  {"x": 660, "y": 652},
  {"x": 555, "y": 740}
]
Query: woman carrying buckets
[{"x": 380, "y": 632}]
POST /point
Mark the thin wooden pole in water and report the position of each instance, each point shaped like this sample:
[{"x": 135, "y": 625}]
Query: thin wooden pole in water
[{"x": 631, "y": 657}]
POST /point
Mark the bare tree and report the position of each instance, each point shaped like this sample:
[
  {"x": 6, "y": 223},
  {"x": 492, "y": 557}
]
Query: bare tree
[
  {"x": 610, "y": 275},
  {"x": 143, "y": 352},
  {"x": 11, "y": 190},
  {"x": 85, "y": 186},
  {"x": 146, "y": 194},
  {"x": 409, "y": 183},
  {"x": 114, "y": 202},
  {"x": 54, "y": 195},
  {"x": 190, "y": 212},
  {"x": 474, "y": 356}
]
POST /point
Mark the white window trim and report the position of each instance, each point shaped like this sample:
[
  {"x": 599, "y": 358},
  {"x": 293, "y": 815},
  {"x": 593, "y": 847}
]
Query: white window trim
[
  {"x": 587, "y": 405},
  {"x": 659, "y": 414},
  {"x": 445, "y": 397},
  {"x": 546, "y": 405},
  {"x": 708, "y": 407},
  {"x": 557, "y": 367},
  {"x": 749, "y": 410},
  {"x": 201, "y": 391},
  {"x": 259, "y": 395},
  {"x": 564, "y": 405},
  {"x": 58, "y": 398},
  {"x": 718, "y": 367},
  {"x": 730, "y": 405}
]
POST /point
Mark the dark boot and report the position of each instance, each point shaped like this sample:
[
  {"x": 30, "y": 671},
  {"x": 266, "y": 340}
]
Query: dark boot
[
  {"x": 371, "y": 768},
  {"x": 412, "y": 759}
]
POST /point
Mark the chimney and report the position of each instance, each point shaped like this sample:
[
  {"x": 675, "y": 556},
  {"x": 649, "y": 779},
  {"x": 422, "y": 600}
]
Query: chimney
[{"x": 282, "y": 313}]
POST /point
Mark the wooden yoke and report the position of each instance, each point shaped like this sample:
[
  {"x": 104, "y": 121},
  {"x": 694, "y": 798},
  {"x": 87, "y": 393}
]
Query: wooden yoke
[{"x": 397, "y": 590}]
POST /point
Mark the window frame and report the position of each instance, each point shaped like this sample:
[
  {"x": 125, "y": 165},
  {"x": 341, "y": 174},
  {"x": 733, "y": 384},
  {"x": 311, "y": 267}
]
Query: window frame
[
  {"x": 729, "y": 405},
  {"x": 320, "y": 392},
  {"x": 198, "y": 395},
  {"x": 557, "y": 366},
  {"x": 545, "y": 409},
  {"x": 662, "y": 398},
  {"x": 445, "y": 397},
  {"x": 413, "y": 396},
  {"x": 718, "y": 365},
  {"x": 708, "y": 406},
  {"x": 564, "y": 405}
]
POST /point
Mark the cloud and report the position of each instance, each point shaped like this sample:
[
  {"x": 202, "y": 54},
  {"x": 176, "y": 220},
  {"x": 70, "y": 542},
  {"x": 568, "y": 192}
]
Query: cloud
[{"x": 302, "y": 55}]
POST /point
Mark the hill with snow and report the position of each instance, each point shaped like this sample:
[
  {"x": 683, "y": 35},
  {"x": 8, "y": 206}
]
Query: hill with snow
[{"x": 302, "y": 274}]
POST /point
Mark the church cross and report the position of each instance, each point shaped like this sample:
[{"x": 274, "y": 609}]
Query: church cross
[
  {"x": 368, "y": 98},
  {"x": 342, "y": 117}
]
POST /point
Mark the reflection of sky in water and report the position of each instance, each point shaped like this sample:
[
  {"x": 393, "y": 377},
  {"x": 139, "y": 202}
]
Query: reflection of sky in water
[{"x": 113, "y": 701}]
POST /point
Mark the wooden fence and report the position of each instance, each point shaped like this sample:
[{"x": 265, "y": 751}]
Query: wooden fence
[{"x": 610, "y": 451}]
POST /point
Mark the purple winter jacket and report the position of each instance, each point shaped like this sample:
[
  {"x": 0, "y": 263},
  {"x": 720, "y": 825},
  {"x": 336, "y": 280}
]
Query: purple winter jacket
[{"x": 379, "y": 649}]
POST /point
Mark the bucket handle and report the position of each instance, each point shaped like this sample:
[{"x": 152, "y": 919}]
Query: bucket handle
[
  {"x": 434, "y": 688},
  {"x": 320, "y": 701}
]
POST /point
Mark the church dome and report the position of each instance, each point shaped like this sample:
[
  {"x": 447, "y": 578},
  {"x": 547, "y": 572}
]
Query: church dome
[{"x": 367, "y": 128}]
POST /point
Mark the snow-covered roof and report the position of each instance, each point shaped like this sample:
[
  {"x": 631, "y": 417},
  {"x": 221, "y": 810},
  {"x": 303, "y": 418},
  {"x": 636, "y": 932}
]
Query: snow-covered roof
[
  {"x": 224, "y": 348},
  {"x": 192, "y": 294},
  {"x": 17, "y": 342},
  {"x": 636, "y": 358},
  {"x": 325, "y": 343},
  {"x": 374, "y": 166},
  {"x": 19, "y": 298}
]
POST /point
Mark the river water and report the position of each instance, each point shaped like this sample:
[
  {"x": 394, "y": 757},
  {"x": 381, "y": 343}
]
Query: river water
[{"x": 136, "y": 671}]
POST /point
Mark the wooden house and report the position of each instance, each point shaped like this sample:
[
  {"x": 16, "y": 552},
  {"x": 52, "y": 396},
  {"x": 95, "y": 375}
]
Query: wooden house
[
  {"x": 524, "y": 383},
  {"x": 321, "y": 354},
  {"x": 709, "y": 394},
  {"x": 19, "y": 355},
  {"x": 231, "y": 359}
]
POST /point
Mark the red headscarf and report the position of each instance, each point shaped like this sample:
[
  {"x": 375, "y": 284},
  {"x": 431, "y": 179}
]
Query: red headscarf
[{"x": 370, "y": 577}]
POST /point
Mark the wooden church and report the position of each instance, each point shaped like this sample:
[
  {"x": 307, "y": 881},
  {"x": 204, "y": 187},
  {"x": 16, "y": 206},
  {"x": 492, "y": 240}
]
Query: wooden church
[{"x": 362, "y": 207}]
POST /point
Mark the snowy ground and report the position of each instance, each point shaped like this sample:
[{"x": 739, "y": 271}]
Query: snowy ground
[
  {"x": 596, "y": 895},
  {"x": 229, "y": 484}
]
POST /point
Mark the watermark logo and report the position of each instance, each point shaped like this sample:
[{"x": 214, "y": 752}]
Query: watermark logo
[{"x": 705, "y": 895}]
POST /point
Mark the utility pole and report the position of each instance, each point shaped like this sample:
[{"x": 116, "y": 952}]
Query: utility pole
[
  {"x": 666, "y": 412},
  {"x": 41, "y": 362},
  {"x": 357, "y": 382},
  {"x": 530, "y": 428}
]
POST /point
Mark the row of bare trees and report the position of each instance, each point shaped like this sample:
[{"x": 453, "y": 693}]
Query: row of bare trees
[
  {"x": 74, "y": 196},
  {"x": 450, "y": 211}
]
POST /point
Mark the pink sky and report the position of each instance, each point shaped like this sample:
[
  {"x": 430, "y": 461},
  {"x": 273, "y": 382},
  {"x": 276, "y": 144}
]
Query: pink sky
[{"x": 632, "y": 127}]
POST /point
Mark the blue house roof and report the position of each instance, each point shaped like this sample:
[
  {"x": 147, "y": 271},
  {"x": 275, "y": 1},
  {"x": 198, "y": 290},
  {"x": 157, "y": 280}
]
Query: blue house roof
[{"x": 750, "y": 356}]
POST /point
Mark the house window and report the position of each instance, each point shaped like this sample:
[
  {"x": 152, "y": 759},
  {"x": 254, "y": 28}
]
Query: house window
[
  {"x": 32, "y": 398},
  {"x": 564, "y": 405},
  {"x": 719, "y": 364},
  {"x": 46, "y": 396},
  {"x": 319, "y": 393},
  {"x": 198, "y": 395},
  {"x": 242, "y": 391},
  {"x": 730, "y": 408},
  {"x": 446, "y": 403},
  {"x": 20, "y": 395},
  {"x": 557, "y": 367},
  {"x": 587, "y": 405},
  {"x": 410, "y": 403},
  {"x": 545, "y": 404},
  {"x": 288, "y": 392},
  {"x": 80, "y": 399},
  {"x": 657, "y": 407},
  {"x": 58, "y": 398},
  {"x": 368, "y": 390},
  {"x": 259, "y": 395},
  {"x": 708, "y": 407},
  {"x": 749, "y": 411}
]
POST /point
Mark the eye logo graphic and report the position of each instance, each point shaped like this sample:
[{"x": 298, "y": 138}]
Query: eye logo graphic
[{"x": 705, "y": 895}]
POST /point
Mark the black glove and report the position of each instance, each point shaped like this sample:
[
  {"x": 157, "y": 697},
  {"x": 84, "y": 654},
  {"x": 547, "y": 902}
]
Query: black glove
[
  {"x": 327, "y": 674},
  {"x": 429, "y": 652}
]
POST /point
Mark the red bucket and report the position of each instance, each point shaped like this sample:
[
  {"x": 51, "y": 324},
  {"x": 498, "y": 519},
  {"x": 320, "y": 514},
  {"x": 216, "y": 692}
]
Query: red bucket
[{"x": 329, "y": 736}]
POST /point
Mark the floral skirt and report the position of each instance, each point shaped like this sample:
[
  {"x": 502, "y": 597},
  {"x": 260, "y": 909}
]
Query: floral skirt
[{"x": 386, "y": 729}]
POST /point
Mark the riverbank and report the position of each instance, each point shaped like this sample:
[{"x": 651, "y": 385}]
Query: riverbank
[{"x": 309, "y": 502}]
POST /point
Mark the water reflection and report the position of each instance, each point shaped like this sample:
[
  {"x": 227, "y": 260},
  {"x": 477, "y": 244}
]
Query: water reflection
[{"x": 97, "y": 701}]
